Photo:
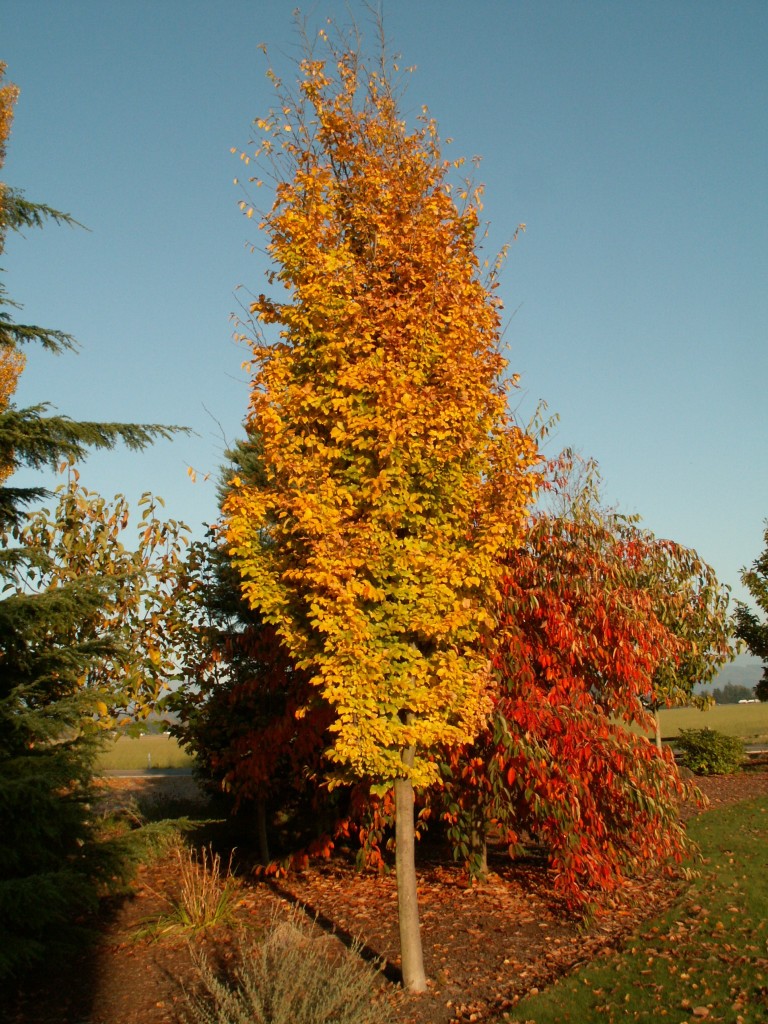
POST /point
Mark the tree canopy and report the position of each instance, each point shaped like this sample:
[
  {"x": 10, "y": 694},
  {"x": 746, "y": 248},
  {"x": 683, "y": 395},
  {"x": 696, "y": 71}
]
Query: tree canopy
[
  {"x": 586, "y": 642},
  {"x": 748, "y": 624}
]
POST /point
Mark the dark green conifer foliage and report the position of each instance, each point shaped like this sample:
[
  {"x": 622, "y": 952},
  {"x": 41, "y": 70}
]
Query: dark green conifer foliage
[{"x": 51, "y": 860}]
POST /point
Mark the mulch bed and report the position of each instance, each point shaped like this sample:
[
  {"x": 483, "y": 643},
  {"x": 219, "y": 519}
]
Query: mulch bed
[{"x": 485, "y": 947}]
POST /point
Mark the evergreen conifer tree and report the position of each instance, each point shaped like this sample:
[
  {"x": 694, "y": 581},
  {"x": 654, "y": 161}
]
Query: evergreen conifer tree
[{"x": 71, "y": 600}]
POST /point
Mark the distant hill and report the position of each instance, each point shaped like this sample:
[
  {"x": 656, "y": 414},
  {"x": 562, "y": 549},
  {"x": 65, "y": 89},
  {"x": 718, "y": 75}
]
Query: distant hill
[{"x": 744, "y": 671}]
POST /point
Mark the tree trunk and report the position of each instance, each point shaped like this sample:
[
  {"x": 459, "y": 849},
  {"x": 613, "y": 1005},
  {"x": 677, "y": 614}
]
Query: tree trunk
[
  {"x": 658, "y": 729},
  {"x": 411, "y": 957},
  {"x": 479, "y": 848},
  {"x": 261, "y": 830}
]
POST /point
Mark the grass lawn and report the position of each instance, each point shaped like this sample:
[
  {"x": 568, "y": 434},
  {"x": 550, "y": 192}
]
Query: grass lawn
[
  {"x": 747, "y": 721},
  {"x": 706, "y": 959},
  {"x": 150, "y": 751}
]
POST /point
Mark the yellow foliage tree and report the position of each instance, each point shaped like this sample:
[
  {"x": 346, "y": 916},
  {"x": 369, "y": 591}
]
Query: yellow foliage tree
[
  {"x": 11, "y": 364},
  {"x": 393, "y": 476},
  {"x": 11, "y": 361}
]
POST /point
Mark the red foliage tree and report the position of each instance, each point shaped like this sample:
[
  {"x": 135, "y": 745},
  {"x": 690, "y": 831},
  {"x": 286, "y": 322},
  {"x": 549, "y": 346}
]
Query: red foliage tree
[{"x": 580, "y": 642}]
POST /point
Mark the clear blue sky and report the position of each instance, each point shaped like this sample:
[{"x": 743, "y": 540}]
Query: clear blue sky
[{"x": 630, "y": 137}]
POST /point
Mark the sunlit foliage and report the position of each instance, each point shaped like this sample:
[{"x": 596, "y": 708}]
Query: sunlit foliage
[{"x": 393, "y": 475}]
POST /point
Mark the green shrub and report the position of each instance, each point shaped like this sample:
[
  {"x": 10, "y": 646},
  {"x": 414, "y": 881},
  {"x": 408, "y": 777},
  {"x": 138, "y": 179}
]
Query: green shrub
[
  {"x": 288, "y": 978},
  {"x": 707, "y": 752}
]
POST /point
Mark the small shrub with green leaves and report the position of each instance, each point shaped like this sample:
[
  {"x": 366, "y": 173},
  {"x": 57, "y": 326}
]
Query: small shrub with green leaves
[
  {"x": 708, "y": 752},
  {"x": 289, "y": 977}
]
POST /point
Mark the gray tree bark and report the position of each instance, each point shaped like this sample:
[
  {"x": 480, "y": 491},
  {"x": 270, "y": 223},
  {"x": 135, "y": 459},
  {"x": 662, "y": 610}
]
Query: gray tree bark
[
  {"x": 261, "y": 830},
  {"x": 480, "y": 850},
  {"x": 658, "y": 730},
  {"x": 411, "y": 955}
]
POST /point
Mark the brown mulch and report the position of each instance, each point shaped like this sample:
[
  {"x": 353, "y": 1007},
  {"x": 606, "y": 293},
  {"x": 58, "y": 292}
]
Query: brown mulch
[{"x": 485, "y": 947}]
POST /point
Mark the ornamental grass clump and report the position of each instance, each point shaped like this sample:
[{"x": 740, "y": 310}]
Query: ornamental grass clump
[
  {"x": 289, "y": 977},
  {"x": 206, "y": 893},
  {"x": 205, "y": 896}
]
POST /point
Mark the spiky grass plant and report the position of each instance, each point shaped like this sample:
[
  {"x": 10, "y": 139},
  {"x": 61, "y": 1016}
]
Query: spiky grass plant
[{"x": 206, "y": 895}]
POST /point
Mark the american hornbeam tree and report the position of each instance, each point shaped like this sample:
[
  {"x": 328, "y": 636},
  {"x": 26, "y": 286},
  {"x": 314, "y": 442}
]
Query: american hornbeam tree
[
  {"x": 582, "y": 641},
  {"x": 393, "y": 474},
  {"x": 748, "y": 626},
  {"x": 84, "y": 631}
]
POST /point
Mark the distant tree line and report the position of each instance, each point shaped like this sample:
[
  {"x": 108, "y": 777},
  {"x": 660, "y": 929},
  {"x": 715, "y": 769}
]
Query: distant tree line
[{"x": 732, "y": 693}]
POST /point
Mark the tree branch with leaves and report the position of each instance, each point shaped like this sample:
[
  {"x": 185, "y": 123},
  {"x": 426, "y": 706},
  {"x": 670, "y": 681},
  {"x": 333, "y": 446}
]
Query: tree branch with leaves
[{"x": 747, "y": 623}]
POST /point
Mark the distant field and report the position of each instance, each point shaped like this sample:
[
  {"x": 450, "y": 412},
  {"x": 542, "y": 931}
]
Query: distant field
[
  {"x": 747, "y": 721},
  {"x": 130, "y": 752}
]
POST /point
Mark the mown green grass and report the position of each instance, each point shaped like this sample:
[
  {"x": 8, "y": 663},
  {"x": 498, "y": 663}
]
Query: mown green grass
[
  {"x": 747, "y": 721},
  {"x": 137, "y": 752},
  {"x": 704, "y": 959}
]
